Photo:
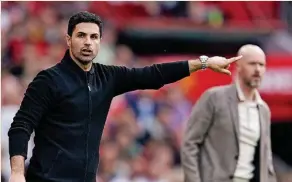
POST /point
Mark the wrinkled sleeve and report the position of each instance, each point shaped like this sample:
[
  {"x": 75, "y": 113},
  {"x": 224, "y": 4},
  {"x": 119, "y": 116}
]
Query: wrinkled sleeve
[
  {"x": 198, "y": 125},
  {"x": 37, "y": 100}
]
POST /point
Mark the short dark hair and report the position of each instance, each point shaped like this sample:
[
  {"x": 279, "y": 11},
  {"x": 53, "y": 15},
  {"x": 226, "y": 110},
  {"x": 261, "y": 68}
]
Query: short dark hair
[{"x": 84, "y": 17}]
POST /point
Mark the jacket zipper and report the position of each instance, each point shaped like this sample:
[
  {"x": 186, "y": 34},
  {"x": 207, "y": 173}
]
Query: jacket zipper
[{"x": 89, "y": 109}]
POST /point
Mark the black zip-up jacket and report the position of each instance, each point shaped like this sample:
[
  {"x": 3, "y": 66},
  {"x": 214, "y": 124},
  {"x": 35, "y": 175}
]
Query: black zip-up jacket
[{"x": 67, "y": 108}]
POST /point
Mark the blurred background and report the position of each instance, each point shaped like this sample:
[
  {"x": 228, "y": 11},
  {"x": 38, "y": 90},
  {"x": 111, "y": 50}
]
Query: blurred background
[{"x": 143, "y": 133}]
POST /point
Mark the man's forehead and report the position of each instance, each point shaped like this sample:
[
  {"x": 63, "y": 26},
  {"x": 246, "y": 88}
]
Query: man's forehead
[
  {"x": 254, "y": 57},
  {"x": 88, "y": 28}
]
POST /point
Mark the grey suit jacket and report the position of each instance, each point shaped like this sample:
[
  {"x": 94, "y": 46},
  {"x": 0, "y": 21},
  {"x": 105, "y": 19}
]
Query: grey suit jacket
[{"x": 211, "y": 147}]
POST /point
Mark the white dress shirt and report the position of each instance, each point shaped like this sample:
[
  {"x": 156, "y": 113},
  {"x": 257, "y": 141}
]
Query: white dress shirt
[{"x": 249, "y": 134}]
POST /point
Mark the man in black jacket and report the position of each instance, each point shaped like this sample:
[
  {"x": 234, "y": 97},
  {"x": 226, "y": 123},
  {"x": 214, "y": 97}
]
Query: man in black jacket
[{"x": 67, "y": 105}]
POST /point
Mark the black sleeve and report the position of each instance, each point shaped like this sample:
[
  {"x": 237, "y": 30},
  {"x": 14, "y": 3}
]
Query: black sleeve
[
  {"x": 149, "y": 77},
  {"x": 37, "y": 99}
]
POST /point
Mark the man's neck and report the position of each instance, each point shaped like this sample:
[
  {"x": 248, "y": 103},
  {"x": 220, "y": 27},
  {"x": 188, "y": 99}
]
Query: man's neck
[
  {"x": 249, "y": 93},
  {"x": 86, "y": 67}
]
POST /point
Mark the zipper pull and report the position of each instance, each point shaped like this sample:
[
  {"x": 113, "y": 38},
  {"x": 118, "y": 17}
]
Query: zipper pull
[{"x": 89, "y": 87}]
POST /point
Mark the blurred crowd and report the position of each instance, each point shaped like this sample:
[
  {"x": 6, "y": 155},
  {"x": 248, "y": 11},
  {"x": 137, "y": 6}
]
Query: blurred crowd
[{"x": 143, "y": 132}]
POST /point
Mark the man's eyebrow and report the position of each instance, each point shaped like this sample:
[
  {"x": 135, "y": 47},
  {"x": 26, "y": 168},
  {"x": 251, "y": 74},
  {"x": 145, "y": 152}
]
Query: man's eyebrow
[{"x": 86, "y": 33}]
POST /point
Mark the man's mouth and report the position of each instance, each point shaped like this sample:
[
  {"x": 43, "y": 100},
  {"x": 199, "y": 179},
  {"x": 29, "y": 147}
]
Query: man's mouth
[
  {"x": 256, "y": 76},
  {"x": 86, "y": 51}
]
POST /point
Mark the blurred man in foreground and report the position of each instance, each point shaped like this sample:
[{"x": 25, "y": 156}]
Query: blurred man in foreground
[
  {"x": 67, "y": 105},
  {"x": 228, "y": 134}
]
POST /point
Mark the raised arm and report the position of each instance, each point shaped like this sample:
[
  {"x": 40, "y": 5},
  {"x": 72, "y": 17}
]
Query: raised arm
[
  {"x": 197, "y": 126},
  {"x": 157, "y": 75},
  {"x": 37, "y": 99},
  {"x": 149, "y": 77}
]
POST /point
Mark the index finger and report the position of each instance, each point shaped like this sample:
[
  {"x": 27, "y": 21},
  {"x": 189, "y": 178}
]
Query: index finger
[{"x": 231, "y": 60}]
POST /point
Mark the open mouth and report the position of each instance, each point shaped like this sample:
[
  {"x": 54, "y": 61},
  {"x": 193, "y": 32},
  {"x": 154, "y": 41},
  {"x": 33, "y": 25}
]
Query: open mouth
[{"x": 86, "y": 51}]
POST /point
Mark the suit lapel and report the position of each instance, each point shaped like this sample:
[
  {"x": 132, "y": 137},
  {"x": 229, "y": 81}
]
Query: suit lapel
[
  {"x": 233, "y": 108},
  {"x": 263, "y": 119},
  {"x": 263, "y": 152},
  {"x": 263, "y": 129}
]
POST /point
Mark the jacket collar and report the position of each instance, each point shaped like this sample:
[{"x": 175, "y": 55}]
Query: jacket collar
[
  {"x": 241, "y": 96},
  {"x": 71, "y": 63}
]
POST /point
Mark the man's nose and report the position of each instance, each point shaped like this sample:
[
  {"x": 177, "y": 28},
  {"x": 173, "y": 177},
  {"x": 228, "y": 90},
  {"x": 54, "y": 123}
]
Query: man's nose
[
  {"x": 87, "y": 41},
  {"x": 258, "y": 67}
]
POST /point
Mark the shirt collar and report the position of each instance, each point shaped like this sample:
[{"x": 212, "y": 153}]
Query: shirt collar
[
  {"x": 69, "y": 61},
  {"x": 241, "y": 96}
]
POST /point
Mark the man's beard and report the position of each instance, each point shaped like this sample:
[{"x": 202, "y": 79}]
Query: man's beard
[
  {"x": 253, "y": 83},
  {"x": 82, "y": 61}
]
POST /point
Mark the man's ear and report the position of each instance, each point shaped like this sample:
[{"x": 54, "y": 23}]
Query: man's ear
[{"x": 68, "y": 40}]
